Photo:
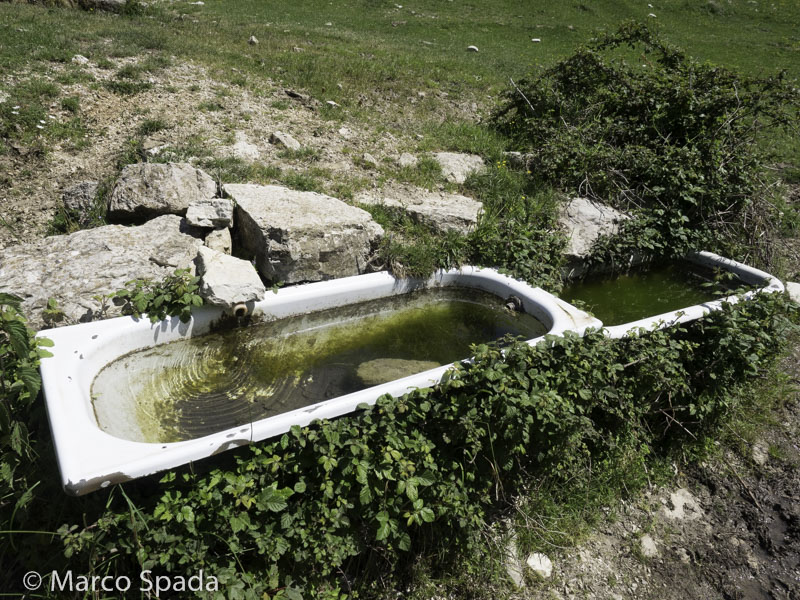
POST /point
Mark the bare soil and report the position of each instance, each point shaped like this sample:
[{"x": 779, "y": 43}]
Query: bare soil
[{"x": 728, "y": 530}]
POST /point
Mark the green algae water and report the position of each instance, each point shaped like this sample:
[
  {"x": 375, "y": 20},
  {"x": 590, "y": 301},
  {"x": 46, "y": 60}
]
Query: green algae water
[
  {"x": 639, "y": 294},
  {"x": 199, "y": 386}
]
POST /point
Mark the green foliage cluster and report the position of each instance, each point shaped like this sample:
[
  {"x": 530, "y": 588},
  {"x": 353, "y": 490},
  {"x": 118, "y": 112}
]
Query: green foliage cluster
[
  {"x": 20, "y": 353},
  {"x": 321, "y": 510},
  {"x": 174, "y": 295},
  {"x": 632, "y": 121}
]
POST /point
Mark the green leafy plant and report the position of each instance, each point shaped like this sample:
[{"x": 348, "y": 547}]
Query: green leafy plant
[
  {"x": 634, "y": 122},
  {"x": 20, "y": 353},
  {"x": 175, "y": 295}
]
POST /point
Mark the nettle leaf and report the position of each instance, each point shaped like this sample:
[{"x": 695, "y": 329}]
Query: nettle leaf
[{"x": 17, "y": 333}]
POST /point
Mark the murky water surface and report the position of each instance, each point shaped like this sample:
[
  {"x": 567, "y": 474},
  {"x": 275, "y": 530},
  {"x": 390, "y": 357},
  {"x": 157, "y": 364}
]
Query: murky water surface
[
  {"x": 639, "y": 294},
  {"x": 195, "y": 387}
]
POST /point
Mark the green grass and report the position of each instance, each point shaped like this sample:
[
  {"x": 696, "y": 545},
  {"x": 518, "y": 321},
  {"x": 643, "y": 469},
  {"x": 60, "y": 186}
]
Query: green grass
[{"x": 377, "y": 49}]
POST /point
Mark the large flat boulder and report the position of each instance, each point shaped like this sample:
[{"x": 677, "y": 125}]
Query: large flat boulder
[
  {"x": 94, "y": 262},
  {"x": 302, "y": 236},
  {"x": 147, "y": 190},
  {"x": 442, "y": 212}
]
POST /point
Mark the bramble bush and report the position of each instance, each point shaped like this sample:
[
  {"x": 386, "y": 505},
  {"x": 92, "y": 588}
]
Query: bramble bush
[
  {"x": 321, "y": 510},
  {"x": 631, "y": 121}
]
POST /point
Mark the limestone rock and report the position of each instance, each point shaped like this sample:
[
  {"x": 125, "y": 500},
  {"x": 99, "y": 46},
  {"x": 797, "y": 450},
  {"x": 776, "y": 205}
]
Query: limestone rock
[
  {"x": 220, "y": 240},
  {"x": 540, "y": 564},
  {"x": 381, "y": 370},
  {"x": 370, "y": 160},
  {"x": 443, "y": 212},
  {"x": 227, "y": 280},
  {"x": 244, "y": 149},
  {"x": 145, "y": 190},
  {"x": 279, "y": 138},
  {"x": 684, "y": 506},
  {"x": 302, "y": 236},
  {"x": 79, "y": 200},
  {"x": 793, "y": 289},
  {"x": 93, "y": 262},
  {"x": 457, "y": 167},
  {"x": 407, "y": 160},
  {"x": 648, "y": 547},
  {"x": 760, "y": 453},
  {"x": 80, "y": 59},
  {"x": 210, "y": 212},
  {"x": 584, "y": 222}
]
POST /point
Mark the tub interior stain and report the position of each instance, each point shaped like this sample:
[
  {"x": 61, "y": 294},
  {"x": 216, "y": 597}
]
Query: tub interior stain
[
  {"x": 195, "y": 387},
  {"x": 645, "y": 293}
]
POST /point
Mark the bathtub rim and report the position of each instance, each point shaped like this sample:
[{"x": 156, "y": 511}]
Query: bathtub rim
[{"x": 90, "y": 458}]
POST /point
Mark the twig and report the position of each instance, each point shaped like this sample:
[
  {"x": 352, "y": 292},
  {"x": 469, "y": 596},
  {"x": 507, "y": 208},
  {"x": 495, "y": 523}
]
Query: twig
[
  {"x": 533, "y": 110},
  {"x": 743, "y": 484}
]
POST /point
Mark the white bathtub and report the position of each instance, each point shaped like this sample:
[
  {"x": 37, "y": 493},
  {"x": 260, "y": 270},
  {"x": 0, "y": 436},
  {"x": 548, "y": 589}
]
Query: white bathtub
[
  {"x": 765, "y": 283},
  {"x": 90, "y": 458}
]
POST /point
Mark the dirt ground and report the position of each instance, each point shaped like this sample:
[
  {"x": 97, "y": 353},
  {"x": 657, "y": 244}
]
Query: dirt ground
[{"x": 729, "y": 529}]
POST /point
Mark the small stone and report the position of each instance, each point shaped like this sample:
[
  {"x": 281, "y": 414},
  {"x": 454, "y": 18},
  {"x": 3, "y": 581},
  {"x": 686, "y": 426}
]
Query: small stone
[
  {"x": 407, "y": 160},
  {"x": 210, "y": 212},
  {"x": 79, "y": 59},
  {"x": 456, "y": 167},
  {"x": 253, "y": 40},
  {"x": 684, "y": 506},
  {"x": 683, "y": 555},
  {"x": 648, "y": 546},
  {"x": 219, "y": 240},
  {"x": 244, "y": 149},
  {"x": 331, "y": 103},
  {"x": 226, "y": 280},
  {"x": 760, "y": 454},
  {"x": 370, "y": 160},
  {"x": 540, "y": 564},
  {"x": 279, "y": 138}
]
